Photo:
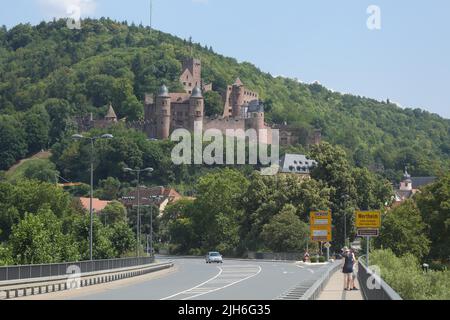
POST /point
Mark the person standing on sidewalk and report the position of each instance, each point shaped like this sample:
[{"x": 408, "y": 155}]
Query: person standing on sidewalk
[
  {"x": 348, "y": 268},
  {"x": 354, "y": 275}
]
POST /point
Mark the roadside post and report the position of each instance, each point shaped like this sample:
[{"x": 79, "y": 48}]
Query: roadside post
[
  {"x": 320, "y": 228},
  {"x": 328, "y": 245},
  {"x": 368, "y": 224}
]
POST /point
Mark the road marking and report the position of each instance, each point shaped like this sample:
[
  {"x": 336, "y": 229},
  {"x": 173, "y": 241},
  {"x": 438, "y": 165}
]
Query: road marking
[
  {"x": 308, "y": 269},
  {"x": 201, "y": 284},
  {"x": 227, "y": 277}
]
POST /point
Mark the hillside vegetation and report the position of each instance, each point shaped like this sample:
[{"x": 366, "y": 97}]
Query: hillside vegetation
[{"x": 49, "y": 73}]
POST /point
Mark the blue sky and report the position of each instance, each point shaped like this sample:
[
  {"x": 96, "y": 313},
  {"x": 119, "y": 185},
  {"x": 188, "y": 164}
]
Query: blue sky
[{"x": 407, "y": 60}]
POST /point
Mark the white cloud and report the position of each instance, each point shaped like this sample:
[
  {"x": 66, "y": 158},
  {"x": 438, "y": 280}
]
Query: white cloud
[{"x": 64, "y": 8}]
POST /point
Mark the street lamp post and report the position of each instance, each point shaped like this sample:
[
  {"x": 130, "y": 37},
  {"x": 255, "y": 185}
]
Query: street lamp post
[
  {"x": 91, "y": 193},
  {"x": 138, "y": 218}
]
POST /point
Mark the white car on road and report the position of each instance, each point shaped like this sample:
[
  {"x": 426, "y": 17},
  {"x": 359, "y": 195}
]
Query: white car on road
[{"x": 214, "y": 257}]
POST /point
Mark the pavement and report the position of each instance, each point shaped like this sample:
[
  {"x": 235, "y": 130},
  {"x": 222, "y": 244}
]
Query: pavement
[
  {"x": 193, "y": 279},
  {"x": 334, "y": 290}
]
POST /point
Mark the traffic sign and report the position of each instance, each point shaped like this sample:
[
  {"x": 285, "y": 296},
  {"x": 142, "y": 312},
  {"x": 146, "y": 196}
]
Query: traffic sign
[
  {"x": 327, "y": 245},
  {"x": 320, "y": 218},
  {"x": 368, "y": 219},
  {"x": 368, "y": 232},
  {"x": 320, "y": 225}
]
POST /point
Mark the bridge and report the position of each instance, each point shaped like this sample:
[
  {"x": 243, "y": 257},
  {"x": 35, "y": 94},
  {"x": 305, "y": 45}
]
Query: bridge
[{"x": 190, "y": 278}]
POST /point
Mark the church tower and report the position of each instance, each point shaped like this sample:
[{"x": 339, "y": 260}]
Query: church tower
[
  {"x": 163, "y": 113},
  {"x": 406, "y": 184}
]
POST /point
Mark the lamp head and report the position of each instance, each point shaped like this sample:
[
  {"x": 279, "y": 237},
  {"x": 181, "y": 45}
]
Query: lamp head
[
  {"x": 77, "y": 137},
  {"x": 107, "y": 136}
]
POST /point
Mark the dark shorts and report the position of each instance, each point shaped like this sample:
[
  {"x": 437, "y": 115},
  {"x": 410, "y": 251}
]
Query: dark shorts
[{"x": 347, "y": 270}]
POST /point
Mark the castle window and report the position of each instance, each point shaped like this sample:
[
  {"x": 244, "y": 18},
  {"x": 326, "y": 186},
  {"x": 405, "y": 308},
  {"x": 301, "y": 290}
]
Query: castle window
[
  {"x": 184, "y": 83},
  {"x": 199, "y": 114},
  {"x": 190, "y": 84}
]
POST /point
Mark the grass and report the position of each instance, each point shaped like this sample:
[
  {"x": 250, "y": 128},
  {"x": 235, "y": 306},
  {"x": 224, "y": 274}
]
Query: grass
[{"x": 17, "y": 171}]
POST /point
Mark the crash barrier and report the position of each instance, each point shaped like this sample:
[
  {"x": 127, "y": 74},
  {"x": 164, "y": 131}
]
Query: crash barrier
[
  {"x": 74, "y": 278},
  {"x": 372, "y": 285}
]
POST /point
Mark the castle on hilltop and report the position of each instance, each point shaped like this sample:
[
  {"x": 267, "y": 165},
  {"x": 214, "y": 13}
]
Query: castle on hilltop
[{"x": 242, "y": 110}]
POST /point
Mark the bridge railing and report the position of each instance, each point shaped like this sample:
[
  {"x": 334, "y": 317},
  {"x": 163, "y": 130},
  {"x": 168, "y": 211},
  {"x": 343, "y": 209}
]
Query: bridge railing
[
  {"x": 20, "y": 272},
  {"x": 372, "y": 285}
]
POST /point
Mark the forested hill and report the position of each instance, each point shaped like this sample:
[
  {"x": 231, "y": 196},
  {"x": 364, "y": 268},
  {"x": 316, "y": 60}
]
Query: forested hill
[{"x": 50, "y": 73}]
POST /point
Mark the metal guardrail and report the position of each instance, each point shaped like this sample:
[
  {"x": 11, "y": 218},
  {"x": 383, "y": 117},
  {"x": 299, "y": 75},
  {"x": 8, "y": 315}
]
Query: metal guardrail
[
  {"x": 373, "y": 287},
  {"x": 25, "y": 287},
  {"x": 8, "y": 273},
  {"x": 311, "y": 288}
]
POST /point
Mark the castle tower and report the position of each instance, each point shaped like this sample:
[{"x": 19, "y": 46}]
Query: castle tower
[
  {"x": 256, "y": 120},
  {"x": 237, "y": 98},
  {"x": 163, "y": 113},
  {"x": 110, "y": 115},
  {"x": 191, "y": 75},
  {"x": 196, "y": 108},
  {"x": 317, "y": 139}
]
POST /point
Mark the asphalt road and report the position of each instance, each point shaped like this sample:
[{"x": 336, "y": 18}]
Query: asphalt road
[{"x": 193, "y": 279}]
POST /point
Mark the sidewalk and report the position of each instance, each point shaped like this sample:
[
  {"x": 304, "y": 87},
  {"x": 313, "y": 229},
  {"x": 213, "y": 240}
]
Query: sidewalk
[{"x": 334, "y": 290}]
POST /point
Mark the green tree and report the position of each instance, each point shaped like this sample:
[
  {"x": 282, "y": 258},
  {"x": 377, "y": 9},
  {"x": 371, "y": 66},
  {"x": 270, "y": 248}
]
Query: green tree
[
  {"x": 215, "y": 217},
  {"x": 114, "y": 213},
  {"x": 38, "y": 238},
  {"x": 37, "y": 125},
  {"x": 266, "y": 195},
  {"x": 13, "y": 144},
  {"x": 109, "y": 188},
  {"x": 43, "y": 171},
  {"x": 27, "y": 196},
  {"x": 286, "y": 232},
  {"x": 122, "y": 238},
  {"x": 403, "y": 231},
  {"x": 213, "y": 103},
  {"x": 335, "y": 171},
  {"x": 102, "y": 245},
  {"x": 434, "y": 205}
]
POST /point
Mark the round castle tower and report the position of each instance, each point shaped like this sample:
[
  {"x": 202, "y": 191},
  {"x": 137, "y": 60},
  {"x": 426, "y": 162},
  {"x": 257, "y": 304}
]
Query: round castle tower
[
  {"x": 196, "y": 108},
  {"x": 163, "y": 113}
]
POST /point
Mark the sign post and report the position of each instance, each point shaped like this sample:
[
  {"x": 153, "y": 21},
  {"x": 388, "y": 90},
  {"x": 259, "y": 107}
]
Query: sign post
[
  {"x": 368, "y": 224},
  {"x": 320, "y": 227},
  {"x": 328, "y": 245}
]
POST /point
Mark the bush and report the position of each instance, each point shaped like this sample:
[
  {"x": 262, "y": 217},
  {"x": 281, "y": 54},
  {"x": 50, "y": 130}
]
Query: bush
[
  {"x": 313, "y": 259},
  {"x": 322, "y": 259},
  {"x": 405, "y": 275}
]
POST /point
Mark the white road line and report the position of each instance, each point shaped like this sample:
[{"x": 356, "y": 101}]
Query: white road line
[
  {"x": 197, "y": 291},
  {"x": 229, "y": 285},
  {"x": 176, "y": 294}
]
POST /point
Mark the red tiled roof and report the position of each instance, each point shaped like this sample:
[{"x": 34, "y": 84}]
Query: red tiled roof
[{"x": 97, "y": 204}]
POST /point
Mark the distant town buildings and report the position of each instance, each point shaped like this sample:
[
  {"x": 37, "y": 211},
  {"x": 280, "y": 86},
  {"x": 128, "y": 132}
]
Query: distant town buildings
[
  {"x": 157, "y": 196},
  {"x": 297, "y": 164},
  {"x": 97, "y": 205},
  {"x": 409, "y": 186}
]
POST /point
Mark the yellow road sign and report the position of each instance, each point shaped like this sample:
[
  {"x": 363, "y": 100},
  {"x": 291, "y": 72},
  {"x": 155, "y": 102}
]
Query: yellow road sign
[
  {"x": 368, "y": 219},
  {"x": 320, "y": 225},
  {"x": 321, "y": 234},
  {"x": 320, "y": 218}
]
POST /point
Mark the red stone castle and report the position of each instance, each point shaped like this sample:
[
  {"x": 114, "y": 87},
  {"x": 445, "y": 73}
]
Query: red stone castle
[{"x": 167, "y": 111}]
